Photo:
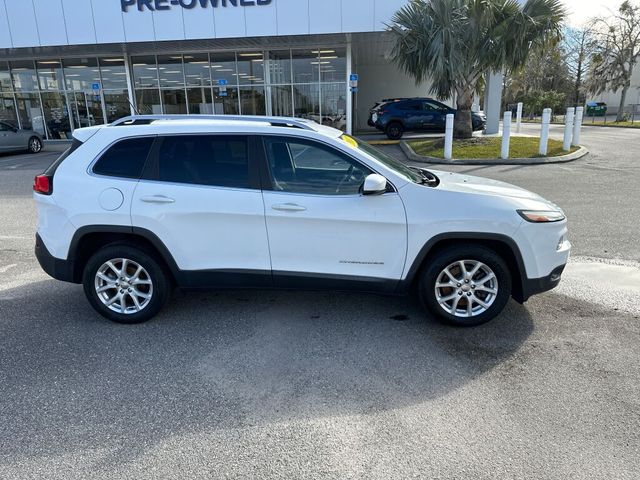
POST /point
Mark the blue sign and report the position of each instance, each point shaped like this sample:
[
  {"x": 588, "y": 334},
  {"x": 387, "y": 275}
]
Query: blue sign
[
  {"x": 95, "y": 86},
  {"x": 354, "y": 89},
  {"x": 354, "y": 77},
  {"x": 159, "y": 5},
  {"x": 223, "y": 82}
]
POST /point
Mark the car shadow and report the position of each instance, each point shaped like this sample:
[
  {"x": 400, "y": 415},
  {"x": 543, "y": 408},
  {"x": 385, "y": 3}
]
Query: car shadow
[{"x": 218, "y": 360}]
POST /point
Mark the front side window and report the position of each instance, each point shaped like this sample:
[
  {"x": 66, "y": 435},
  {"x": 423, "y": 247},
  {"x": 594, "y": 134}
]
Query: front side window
[
  {"x": 125, "y": 159},
  {"x": 5, "y": 128},
  {"x": 212, "y": 160},
  {"x": 302, "y": 166}
]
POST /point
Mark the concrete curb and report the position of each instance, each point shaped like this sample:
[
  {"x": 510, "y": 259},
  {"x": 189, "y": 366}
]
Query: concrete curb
[{"x": 408, "y": 151}]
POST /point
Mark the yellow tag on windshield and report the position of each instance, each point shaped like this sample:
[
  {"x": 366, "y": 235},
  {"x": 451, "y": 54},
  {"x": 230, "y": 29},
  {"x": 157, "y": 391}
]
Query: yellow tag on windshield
[{"x": 352, "y": 142}]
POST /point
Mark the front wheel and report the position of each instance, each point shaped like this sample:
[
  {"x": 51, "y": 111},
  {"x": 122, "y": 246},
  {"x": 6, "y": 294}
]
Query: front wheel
[
  {"x": 465, "y": 285},
  {"x": 394, "y": 131},
  {"x": 125, "y": 284},
  {"x": 35, "y": 145}
]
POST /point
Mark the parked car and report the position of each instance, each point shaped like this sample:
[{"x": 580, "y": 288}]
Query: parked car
[
  {"x": 415, "y": 114},
  {"x": 596, "y": 109},
  {"x": 148, "y": 203},
  {"x": 13, "y": 139}
]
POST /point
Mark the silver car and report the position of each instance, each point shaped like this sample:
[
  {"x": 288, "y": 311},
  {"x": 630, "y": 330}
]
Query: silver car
[{"x": 13, "y": 139}]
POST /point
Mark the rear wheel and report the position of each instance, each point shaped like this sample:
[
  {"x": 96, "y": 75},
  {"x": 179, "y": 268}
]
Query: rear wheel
[
  {"x": 125, "y": 284},
  {"x": 35, "y": 145},
  {"x": 394, "y": 130},
  {"x": 465, "y": 285}
]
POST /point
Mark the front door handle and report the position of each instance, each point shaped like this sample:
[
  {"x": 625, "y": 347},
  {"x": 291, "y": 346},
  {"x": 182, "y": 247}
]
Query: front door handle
[
  {"x": 157, "y": 199},
  {"x": 289, "y": 207}
]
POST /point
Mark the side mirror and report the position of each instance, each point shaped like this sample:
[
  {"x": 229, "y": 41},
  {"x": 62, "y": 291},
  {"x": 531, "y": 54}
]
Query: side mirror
[{"x": 374, "y": 184}]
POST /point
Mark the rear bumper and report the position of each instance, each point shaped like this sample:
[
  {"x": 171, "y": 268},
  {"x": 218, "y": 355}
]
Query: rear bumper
[
  {"x": 535, "y": 286},
  {"x": 54, "y": 267}
]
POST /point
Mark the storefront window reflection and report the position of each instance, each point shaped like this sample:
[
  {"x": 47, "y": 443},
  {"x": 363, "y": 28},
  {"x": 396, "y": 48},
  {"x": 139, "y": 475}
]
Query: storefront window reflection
[
  {"x": 226, "y": 104},
  {"x": 197, "y": 70},
  {"x": 54, "y": 96},
  {"x": 8, "y": 109},
  {"x": 5, "y": 78},
  {"x": 250, "y": 68},
  {"x": 200, "y": 101},
  {"x": 116, "y": 104},
  {"x": 252, "y": 101},
  {"x": 30, "y": 112},
  {"x": 24, "y": 76},
  {"x": 281, "y": 100}
]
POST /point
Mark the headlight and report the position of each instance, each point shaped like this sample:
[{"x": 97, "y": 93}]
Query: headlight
[{"x": 541, "y": 216}]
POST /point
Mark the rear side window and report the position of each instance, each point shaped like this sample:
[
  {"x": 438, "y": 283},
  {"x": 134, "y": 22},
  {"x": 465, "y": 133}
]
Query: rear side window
[
  {"x": 410, "y": 106},
  {"x": 51, "y": 169},
  {"x": 125, "y": 159},
  {"x": 212, "y": 160}
]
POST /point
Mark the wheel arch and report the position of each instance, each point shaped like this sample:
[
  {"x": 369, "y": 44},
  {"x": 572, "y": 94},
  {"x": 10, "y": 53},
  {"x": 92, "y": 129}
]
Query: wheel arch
[
  {"x": 87, "y": 240},
  {"x": 503, "y": 245}
]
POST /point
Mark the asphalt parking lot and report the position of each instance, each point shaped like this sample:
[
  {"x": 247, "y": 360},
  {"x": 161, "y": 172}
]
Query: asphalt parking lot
[{"x": 268, "y": 384}]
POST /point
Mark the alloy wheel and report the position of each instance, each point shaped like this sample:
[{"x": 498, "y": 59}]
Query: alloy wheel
[
  {"x": 123, "y": 286},
  {"x": 35, "y": 145},
  {"x": 466, "y": 288}
]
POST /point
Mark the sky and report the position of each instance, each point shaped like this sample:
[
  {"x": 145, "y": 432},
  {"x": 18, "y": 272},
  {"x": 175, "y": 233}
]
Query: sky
[{"x": 580, "y": 11}]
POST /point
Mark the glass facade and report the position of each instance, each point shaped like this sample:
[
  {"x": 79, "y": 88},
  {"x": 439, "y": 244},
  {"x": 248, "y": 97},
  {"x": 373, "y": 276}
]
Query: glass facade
[{"x": 54, "y": 96}]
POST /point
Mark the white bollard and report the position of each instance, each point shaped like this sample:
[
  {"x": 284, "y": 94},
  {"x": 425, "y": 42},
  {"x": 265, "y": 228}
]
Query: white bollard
[
  {"x": 568, "y": 129},
  {"x": 448, "y": 138},
  {"x": 506, "y": 135},
  {"x": 577, "y": 126},
  {"x": 519, "y": 117},
  {"x": 544, "y": 134}
]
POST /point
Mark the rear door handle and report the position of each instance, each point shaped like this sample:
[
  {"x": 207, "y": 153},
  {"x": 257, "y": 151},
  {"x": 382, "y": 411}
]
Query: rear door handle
[
  {"x": 289, "y": 207},
  {"x": 157, "y": 199}
]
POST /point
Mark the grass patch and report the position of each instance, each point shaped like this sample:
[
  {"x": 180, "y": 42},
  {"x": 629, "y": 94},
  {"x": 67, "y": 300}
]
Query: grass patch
[{"x": 488, "y": 148}]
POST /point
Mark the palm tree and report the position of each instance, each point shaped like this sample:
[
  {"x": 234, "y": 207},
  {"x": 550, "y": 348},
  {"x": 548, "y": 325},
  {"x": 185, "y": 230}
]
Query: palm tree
[{"x": 455, "y": 43}]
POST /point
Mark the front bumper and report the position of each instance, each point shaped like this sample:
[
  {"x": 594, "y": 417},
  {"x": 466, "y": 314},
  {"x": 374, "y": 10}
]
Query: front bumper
[
  {"x": 54, "y": 267},
  {"x": 535, "y": 286}
]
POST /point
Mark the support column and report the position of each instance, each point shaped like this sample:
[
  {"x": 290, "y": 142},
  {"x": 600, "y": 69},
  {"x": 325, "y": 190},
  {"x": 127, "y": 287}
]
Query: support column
[
  {"x": 349, "y": 102},
  {"x": 492, "y": 102},
  {"x": 132, "y": 95}
]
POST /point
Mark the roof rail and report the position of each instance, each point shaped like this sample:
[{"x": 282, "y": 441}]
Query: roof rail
[{"x": 274, "y": 121}]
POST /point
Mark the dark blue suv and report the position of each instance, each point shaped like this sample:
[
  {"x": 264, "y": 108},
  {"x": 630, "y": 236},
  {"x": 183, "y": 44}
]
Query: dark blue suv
[{"x": 396, "y": 116}]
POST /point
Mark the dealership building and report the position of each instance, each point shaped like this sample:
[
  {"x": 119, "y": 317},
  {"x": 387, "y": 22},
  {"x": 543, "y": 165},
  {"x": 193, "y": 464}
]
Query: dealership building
[{"x": 66, "y": 64}]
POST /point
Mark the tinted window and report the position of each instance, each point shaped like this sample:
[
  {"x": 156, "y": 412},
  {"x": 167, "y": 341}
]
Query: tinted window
[
  {"x": 125, "y": 159},
  {"x": 433, "y": 106},
  {"x": 300, "y": 166},
  {"x": 213, "y": 160},
  {"x": 5, "y": 128},
  {"x": 410, "y": 106}
]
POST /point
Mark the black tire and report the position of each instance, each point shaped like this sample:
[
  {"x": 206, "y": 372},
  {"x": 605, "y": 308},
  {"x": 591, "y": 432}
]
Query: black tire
[
  {"x": 34, "y": 145},
  {"x": 449, "y": 256},
  {"x": 394, "y": 131},
  {"x": 161, "y": 285}
]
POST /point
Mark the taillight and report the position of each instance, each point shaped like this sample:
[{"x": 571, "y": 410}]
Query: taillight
[{"x": 43, "y": 184}]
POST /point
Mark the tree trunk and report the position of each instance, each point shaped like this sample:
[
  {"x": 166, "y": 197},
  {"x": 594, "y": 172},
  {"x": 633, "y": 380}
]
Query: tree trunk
[
  {"x": 463, "y": 127},
  {"x": 623, "y": 100}
]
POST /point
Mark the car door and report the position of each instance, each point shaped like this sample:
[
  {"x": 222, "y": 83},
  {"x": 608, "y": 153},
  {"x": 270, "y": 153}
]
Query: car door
[
  {"x": 200, "y": 195},
  {"x": 437, "y": 113},
  {"x": 8, "y": 138},
  {"x": 322, "y": 230},
  {"x": 412, "y": 115}
]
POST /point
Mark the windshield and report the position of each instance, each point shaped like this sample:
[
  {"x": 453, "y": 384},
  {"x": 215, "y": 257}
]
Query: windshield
[{"x": 388, "y": 161}]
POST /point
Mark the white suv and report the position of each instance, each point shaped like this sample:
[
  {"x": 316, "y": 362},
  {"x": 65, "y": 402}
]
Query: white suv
[{"x": 149, "y": 203}]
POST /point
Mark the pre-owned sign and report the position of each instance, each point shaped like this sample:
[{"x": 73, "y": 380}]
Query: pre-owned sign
[{"x": 160, "y": 5}]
